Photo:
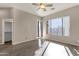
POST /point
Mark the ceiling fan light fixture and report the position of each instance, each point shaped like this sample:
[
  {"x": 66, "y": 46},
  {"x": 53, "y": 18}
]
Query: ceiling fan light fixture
[{"x": 42, "y": 6}]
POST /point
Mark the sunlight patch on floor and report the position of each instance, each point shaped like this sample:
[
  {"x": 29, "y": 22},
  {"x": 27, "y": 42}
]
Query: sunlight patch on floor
[{"x": 55, "y": 50}]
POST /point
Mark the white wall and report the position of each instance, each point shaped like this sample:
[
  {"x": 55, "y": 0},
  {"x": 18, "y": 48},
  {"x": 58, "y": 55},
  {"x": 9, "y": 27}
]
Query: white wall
[
  {"x": 24, "y": 26},
  {"x": 5, "y": 13}
]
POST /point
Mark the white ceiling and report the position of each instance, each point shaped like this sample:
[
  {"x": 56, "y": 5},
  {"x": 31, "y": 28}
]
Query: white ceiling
[{"x": 28, "y": 7}]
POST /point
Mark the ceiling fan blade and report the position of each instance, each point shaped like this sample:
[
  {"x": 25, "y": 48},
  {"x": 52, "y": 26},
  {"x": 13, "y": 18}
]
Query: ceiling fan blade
[
  {"x": 35, "y": 4},
  {"x": 52, "y": 8},
  {"x": 49, "y": 5},
  {"x": 41, "y": 9},
  {"x": 38, "y": 8},
  {"x": 44, "y": 9}
]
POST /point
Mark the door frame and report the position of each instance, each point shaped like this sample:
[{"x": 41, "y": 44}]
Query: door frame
[{"x": 3, "y": 26}]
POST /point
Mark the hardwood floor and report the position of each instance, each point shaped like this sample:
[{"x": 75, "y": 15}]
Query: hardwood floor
[
  {"x": 54, "y": 49},
  {"x": 24, "y": 49},
  {"x": 73, "y": 49},
  {"x": 8, "y": 42},
  {"x": 29, "y": 48}
]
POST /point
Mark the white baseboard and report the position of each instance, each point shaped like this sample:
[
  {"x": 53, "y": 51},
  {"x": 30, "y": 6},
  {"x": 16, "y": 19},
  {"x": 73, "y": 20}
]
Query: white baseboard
[
  {"x": 67, "y": 42},
  {"x": 21, "y": 42}
]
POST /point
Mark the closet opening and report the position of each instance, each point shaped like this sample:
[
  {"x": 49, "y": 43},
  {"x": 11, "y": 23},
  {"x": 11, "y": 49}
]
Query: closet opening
[{"x": 7, "y": 32}]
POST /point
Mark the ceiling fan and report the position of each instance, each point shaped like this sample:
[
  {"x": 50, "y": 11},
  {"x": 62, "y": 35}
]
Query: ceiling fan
[{"x": 43, "y": 6}]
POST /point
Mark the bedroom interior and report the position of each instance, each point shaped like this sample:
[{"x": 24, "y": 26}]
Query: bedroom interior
[{"x": 39, "y": 29}]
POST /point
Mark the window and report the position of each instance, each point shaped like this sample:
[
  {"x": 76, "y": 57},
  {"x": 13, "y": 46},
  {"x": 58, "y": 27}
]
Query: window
[
  {"x": 55, "y": 26},
  {"x": 59, "y": 26},
  {"x": 66, "y": 26}
]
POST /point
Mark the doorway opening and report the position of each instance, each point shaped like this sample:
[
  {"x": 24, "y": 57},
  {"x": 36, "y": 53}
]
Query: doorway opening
[{"x": 7, "y": 32}]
